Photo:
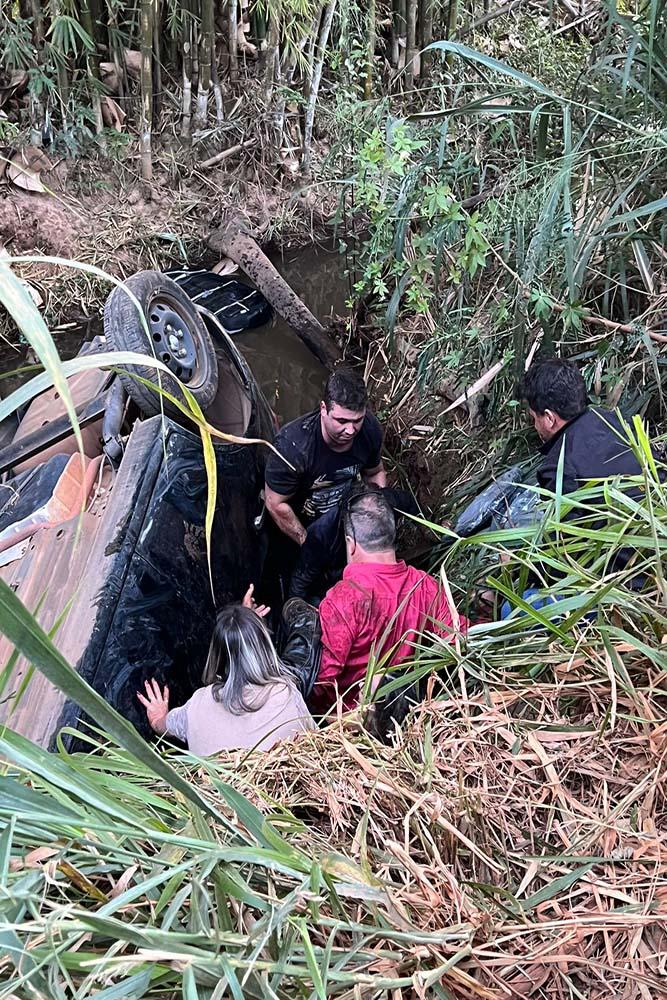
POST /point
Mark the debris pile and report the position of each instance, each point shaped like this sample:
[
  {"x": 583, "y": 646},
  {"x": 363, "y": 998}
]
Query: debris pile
[{"x": 528, "y": 824}]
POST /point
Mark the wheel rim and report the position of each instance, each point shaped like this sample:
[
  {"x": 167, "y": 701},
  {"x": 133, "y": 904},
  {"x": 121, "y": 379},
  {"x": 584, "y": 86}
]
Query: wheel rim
[{"x": 174, "y": 342}]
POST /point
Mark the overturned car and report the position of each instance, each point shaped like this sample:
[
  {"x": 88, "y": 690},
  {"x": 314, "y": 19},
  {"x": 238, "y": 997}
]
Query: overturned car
[{"x": 124, "y": 586}]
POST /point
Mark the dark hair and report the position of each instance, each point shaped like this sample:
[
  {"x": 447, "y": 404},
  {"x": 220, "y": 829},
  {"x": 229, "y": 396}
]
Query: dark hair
[
  {"x": 241, "y": 655},
  {"x": 369, "y": 520},
  {"x": 555, "y": 385},
  {"x": 346, "y": 387}
]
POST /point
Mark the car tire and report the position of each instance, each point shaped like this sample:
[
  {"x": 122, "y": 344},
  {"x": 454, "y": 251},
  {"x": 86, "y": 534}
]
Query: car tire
[{"x": 178, "y": 337}]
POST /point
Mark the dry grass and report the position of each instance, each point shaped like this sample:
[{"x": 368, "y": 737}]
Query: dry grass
[{"x": 532, "y": 820}]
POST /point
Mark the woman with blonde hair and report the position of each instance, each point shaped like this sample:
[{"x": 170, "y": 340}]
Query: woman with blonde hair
[{"x": 250, "y": 698}]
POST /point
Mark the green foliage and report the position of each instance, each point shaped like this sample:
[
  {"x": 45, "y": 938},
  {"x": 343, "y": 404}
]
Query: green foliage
[
  {"x": 527, "y": 201},
  {"x": 68, "y": 37},
  {"x": 402, "y": 189},
  {"x": 130, "y": 873},
  {"x": 16, "y": 47}
]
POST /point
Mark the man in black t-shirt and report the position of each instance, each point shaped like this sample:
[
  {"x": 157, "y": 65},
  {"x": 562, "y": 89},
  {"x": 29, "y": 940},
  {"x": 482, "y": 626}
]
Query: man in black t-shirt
[{"x": 331, "y": 449}]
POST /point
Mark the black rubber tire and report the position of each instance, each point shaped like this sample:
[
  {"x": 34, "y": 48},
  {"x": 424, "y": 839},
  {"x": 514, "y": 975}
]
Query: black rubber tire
[{"x": 124, "y": 332}]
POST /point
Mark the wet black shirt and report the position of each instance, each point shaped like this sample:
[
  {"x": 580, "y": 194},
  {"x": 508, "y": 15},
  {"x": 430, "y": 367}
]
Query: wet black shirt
[
  {"x": 323, "y": 477},
  {"x": 595, "y": 448}
]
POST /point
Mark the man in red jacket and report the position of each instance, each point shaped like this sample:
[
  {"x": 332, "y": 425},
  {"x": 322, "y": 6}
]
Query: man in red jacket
[{"x": 378, "y": 609}]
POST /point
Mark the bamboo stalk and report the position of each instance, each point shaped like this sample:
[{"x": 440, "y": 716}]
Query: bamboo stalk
[
  {"x": 411, "y": 45},
  {"x": 37, "y": 109},
  {"x": 395, "y": 33},
  {"x": 92, "y": 65},
  {"x": 37, "y": 24},
  {"x": 370, "y": 51},
  {"x": 258, "y": 25},
  {"x": 272, "y": 67},
  {"x": 233, "y": 42},
  {"x": 426, "y": 23},
  {"x": 452, "y": 18},
  {"x": 315, "y": 85},
  {"x": 401, "y": 37},
  {"x": 187, "y": 76},
  {"x": 157, "y": 56},
  {"x": 61, "y": 73},
  {"x": 146, "y": 121},
  {"x": 217, "y": 93},
  {"x": 205, "y": 61}
]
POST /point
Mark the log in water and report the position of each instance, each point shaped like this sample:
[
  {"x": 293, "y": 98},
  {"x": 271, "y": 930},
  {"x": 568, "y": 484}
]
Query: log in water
[{"x": 233, "y": 240}]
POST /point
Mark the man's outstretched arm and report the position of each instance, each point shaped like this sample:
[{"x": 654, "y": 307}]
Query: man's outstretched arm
[{"x": 283, "y": 514}]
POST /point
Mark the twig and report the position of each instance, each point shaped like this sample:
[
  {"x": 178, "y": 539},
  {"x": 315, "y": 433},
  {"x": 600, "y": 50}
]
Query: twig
[
  {"x": 608, "y": 324},
  {"x": 226, "y": 153},
  {"x": 489, "y": 16}
]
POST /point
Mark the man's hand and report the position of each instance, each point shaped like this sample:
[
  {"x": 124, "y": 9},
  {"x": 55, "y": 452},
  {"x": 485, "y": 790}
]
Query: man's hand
[
  {"x": 249, "y": 602},
  {"x": 156, "y": 703}
]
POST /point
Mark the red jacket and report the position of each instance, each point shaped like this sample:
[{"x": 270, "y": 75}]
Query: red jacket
[{"x": 371, "y": 599}]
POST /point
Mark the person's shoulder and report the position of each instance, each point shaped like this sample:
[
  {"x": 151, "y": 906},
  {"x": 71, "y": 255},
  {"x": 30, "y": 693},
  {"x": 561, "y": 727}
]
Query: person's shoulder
[
  {"x": 203, "y": 700},
  {"x": 342, "y": 594},
  {"x": 203, "y": 695},
  {"x": 420, "y": 578},
  {"x": 298, "y": 429},
  {"x": 282, "y": 696},
  {"x": 295, "y": 441},
  {"x": 602, "y": 417}
]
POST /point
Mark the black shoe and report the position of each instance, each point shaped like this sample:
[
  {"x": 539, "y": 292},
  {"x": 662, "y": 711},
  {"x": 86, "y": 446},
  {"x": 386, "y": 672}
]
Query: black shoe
[{"x": 297, "y": 612}]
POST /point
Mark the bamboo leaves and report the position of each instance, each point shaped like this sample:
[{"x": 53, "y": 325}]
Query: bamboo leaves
[
  {"x": 472, "y": 55},
  {"x": 17, "y": 301}
]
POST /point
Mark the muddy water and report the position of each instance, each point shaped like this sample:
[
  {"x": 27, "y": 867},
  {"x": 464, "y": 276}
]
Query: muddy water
[
  {"x": 290, "y": 376},
  {"x": 16, "y": 356}
]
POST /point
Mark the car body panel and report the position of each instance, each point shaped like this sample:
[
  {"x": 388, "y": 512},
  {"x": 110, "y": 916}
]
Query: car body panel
[
  {"x": 234, "y": 305},
  {"x": 126, "y": 585}
]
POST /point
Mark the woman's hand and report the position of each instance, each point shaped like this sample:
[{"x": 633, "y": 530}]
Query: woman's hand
[
  {"x": 249, "y": 602},
  {"x": 156, "y": 703}
]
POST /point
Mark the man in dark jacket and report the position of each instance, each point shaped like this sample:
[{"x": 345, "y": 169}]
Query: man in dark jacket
[
  {"x": 589, "y": 439},
  {"x": 594, "y": 443}
]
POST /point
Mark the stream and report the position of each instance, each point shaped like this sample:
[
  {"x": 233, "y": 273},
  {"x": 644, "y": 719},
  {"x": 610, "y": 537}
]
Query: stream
[{"x": 290, "y": 376}]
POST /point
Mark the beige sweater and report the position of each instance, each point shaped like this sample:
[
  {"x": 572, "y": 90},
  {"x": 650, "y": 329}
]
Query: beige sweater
[{"x": 207, "y": 726}]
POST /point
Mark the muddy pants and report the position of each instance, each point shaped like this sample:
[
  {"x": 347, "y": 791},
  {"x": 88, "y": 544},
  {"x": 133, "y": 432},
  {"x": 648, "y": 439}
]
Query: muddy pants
[{"x": 300, "y": 643}]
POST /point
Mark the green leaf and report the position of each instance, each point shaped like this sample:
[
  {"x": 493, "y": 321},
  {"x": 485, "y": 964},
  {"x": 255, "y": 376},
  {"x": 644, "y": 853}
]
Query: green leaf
[
  {"x": 499, "y": 67},
  {"x": 16, "y": 299},
  {"x": 555, "y": 888},
  {"x": 311, "y": 961},
  {"x": 132, "y": 988},
  {"x": 650, "y": 208},
  {"x": 6, "y": 849}
]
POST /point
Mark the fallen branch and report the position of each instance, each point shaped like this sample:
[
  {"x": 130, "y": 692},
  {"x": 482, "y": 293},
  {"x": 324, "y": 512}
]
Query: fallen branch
[
  {"x": 234, "y": 241},
  {"x": 476, "y": 387},
  {"x": 226, "y": 153}
]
